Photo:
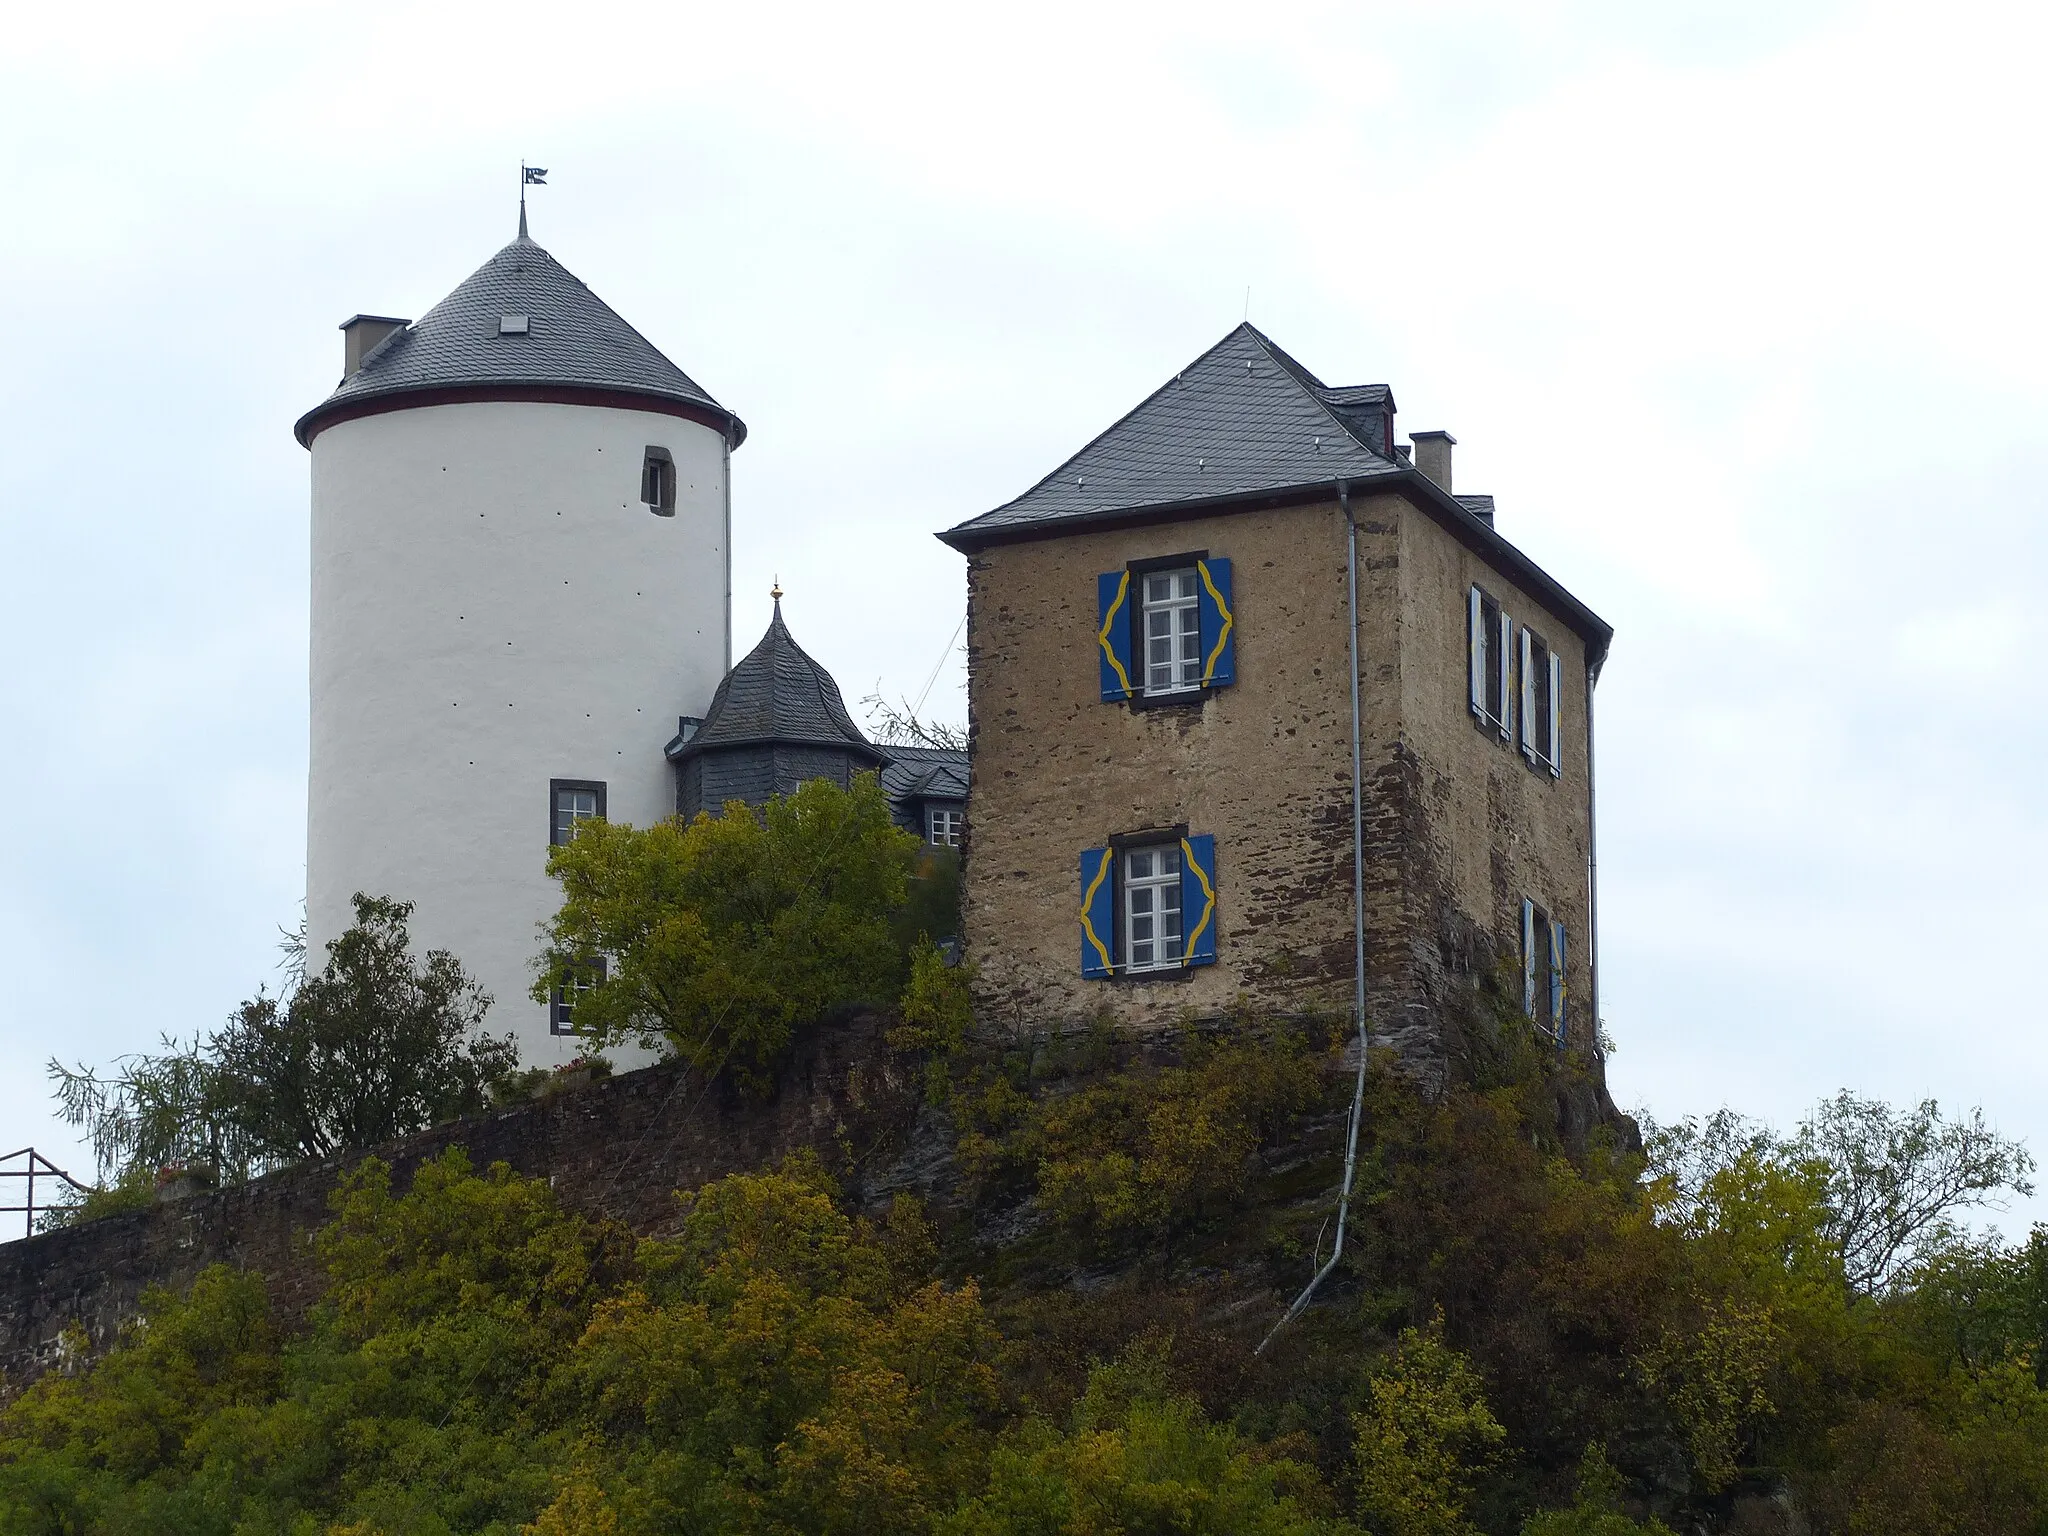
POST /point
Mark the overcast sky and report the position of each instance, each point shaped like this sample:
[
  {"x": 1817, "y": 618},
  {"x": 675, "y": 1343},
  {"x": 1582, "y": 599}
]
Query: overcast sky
[{"x": 1737, "y": 308}]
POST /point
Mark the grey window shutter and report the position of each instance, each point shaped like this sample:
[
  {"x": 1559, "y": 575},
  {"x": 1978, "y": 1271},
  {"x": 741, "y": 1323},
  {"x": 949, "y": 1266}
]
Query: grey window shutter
[
  {"x": 1556, "y": 743},
  {"x": 1528, "y": 957},
  {"x": 1528, "y": 695},
  {"x": 1507, "y": 677},
  {"x": 1557, "y": 975},
  {"x": 1475, "y": 650}
]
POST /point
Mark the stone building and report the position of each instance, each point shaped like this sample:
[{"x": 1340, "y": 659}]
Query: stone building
[{"x": 1161, "y": 694}]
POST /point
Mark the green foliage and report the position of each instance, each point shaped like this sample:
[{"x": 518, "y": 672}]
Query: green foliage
[
  {"x": 1597, "y": 1511},
  {"x": 1423, "y": 1436},
  {"x": 726, "y": 936},
  {"x": 1144, "y": 1153},
  {"x": 482, "y": 1360},
  {"x": 1142, "y": 1462},
  {"x": 936, "y": 1010},
  {"x": 375, "y": 1046},
  {"x": 1515, "y": 1306},
  {"x": 133, "y": 1190}
]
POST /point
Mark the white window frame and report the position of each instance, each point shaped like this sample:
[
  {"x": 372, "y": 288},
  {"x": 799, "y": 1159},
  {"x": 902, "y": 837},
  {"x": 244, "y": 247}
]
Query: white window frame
[
  {"x": 1154, "y": 888},
  {"x": 943, "y": 825},
  {"x": 561, "y": 831},
  {"x": 1186, "y": 668},
  {"x": 562, "y": 1003}
]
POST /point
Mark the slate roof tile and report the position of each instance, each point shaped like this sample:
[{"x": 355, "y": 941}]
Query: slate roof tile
[
  {"x": 778, "y": 694},
  {"x": 1241, "y": 419},
  {"x": 574, "y": 340}
]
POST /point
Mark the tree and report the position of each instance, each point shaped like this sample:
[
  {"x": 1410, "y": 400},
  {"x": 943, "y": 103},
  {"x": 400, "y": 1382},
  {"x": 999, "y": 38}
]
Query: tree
[
  {"x": 375, "y": 1046},
  {"x": 1896, "y": 1179},
  {"x": 1424, "y": 1434},
  {"x": 725, "y": 935},
  {"x": 1891, "y": 1181}
]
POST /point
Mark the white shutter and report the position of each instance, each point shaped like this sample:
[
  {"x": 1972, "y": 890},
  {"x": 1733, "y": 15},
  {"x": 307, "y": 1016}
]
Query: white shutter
[
  {"x": 1557, "y": 982},
  {"x": 1556, "y": 720},
  {"x": 1528, "y": 697},
  {"x": 1529, "y": 957},
  {"x": 1475, "y": 646},
  {"x": 1507, "y": 677}
]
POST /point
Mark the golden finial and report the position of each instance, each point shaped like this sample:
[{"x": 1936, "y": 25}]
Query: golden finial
[{"x": 776, "y": 590}]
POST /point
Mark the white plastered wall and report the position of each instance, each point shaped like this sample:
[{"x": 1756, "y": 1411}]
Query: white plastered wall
[{"x": 493, "y": 607}]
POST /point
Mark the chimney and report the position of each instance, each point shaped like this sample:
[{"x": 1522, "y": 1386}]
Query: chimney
[
  {"x": 1433, "y": 456},
  {"x": 359, "y": 337}
]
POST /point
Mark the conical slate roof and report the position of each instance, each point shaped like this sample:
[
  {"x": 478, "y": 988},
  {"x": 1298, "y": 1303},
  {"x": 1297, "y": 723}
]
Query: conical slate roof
[
  {"x": 1241, "y": 420},
  {"x": 575, "y": 347},
  {"x": 778, "y": 695}
]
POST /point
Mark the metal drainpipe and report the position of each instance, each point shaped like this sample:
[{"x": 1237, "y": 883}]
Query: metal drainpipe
[
  {"x": 727, "y": 477},
  {"x": 1357, "y": 923},
  {"x": 1592, "y": 881}
]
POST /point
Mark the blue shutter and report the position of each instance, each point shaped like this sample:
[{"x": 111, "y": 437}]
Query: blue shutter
[
  {"x": 1528, "y": 957},
  {"x": 1557, "y": 982},
  {"x": 1113, "y": 634},
  {"x": 1098, "y": 914},
  {"x": 1198, "y": 897},
  {"x": 1219, "y": 624}
]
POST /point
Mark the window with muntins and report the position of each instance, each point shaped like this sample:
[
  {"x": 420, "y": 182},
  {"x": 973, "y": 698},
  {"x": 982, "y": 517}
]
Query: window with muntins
[
  {"x": 1165, "y": 630},
  {"x": 1152, "y": 908},
  {"x": 562, "y": 1006},
  {"x": 1148, "y": 905},
  {"x": 1173, "y": 631},
  {"x": 942, "y": 825},
  {"x": 573, "y": 801}
]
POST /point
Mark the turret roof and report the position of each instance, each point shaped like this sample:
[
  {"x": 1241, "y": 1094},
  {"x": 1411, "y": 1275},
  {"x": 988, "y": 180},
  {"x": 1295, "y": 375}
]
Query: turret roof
[
  {"x": 574, "y": 346},
  {"x": 778, "y": 695}
]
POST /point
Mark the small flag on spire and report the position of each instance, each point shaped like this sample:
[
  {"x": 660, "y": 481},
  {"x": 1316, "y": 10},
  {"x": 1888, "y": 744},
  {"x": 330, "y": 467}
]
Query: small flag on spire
[{"x": 536, "y": 176}]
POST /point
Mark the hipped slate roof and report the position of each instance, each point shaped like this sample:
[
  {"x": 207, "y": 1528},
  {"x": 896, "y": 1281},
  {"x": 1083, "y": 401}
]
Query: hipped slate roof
[
  {"x": 1241, "y": 420},
  {"x": 1245, "y": 424},
  {"x": 576, "y": 347},
  {"x": 777, "y": 696}
]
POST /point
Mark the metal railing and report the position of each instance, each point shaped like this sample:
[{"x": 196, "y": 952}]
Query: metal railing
[{"x": 32, "y": 1166}]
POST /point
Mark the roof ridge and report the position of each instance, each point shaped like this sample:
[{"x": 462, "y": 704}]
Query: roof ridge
[
  {"x": 1179, "y": 374},
  {"x": 1317, "y": 389}
]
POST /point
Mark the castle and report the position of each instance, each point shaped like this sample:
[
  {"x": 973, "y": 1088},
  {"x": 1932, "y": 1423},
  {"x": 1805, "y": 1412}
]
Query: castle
[{"x": 1260, "y": 708}]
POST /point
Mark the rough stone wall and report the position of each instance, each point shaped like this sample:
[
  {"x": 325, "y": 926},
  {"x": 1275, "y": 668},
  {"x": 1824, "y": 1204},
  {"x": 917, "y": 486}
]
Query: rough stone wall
[
  {"x": 618, "y": 1148},
  {"x": 1490, "y": 829},
  {"x": 1263, "y": 764},
  {"x": 1457, "y": 828}
]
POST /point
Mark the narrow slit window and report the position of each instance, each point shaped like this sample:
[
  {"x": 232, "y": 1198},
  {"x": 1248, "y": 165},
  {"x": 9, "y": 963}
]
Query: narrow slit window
[{"x": 658, "y": 482}]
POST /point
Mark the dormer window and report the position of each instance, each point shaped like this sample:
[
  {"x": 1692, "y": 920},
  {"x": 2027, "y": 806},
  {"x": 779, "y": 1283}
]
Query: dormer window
[
  {"x": 514, "y": 325},
  {"x": 658, "y": 482},
  {"x": 942, "y": 825}
]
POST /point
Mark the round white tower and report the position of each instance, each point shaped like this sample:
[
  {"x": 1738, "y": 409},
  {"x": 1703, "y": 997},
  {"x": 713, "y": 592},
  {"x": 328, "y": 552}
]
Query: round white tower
[{"x": 521, "y": 563}]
